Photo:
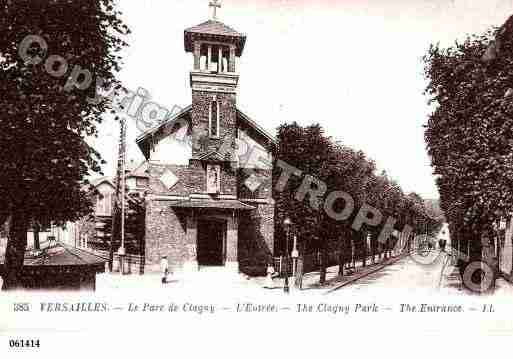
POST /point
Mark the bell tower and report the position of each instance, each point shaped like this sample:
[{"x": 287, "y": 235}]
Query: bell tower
[{"x": 214, "y": 81}]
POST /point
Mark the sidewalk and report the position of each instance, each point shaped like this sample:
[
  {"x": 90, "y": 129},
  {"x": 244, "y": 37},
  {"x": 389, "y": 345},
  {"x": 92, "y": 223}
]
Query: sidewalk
[
  {"x": 217, "y": 281},
  {"x": 335, "y": 282},
  {"x": 451, "y": 283}
]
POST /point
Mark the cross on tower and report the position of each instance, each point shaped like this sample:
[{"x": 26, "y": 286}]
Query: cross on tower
[{"x": 214, "y": 4}]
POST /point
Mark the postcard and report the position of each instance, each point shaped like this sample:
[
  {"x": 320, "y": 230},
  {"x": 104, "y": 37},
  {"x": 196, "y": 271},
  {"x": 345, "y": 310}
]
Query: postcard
[{"x": 255, "y": 178}]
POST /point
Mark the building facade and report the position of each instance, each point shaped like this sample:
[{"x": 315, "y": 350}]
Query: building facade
[
  {"x": 93, "y": 231},
  {"x": 209, "y": 199}
]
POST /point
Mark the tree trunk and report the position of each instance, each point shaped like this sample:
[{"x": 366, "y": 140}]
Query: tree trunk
[
  {"x": 353, "y": 252},
  {"x": 322, "y": 265},
  {"x": 364, "y": 249},
  {"x": 37, "y": 246},
  {"x": 15, "y": 251},
  {"x": 371, "y": 248},
  {"x": 341, "y": 261}
]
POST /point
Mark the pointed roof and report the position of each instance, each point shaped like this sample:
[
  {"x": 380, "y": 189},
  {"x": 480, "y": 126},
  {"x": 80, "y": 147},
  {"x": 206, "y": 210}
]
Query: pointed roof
[
  {"x": 95, "y": 182},
  {"x": 214, "y": 27},
  {"x": 55, "y": 253},
  {"x": 143, "y": 140},
  {"x": 216, "y": 30}
]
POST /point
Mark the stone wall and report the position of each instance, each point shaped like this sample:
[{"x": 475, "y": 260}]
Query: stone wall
[
  {"x": 256, "y": 238},
  {"x": 202, "y": 143},
  {"x": 173, "y": 232},
  {"x": 165, "y": 234},
  {"x": 264, "y": 190},
  {"x": 191, "y": 179}
]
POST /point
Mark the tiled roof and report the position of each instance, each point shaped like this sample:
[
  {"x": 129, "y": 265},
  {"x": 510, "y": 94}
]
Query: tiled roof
[
  {"x": 97, "y": 181},
  {"x": 67, "y": 257},
  {"x": 61, "y": 254},
  {"x": 216, "y": 29},
  {"x": 132, "y": 169},
  {"x": 213, "y": 27}
]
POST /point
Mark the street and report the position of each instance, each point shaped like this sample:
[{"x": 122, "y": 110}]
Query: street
[
  {"x": 416, "y": 276},
  {"x": 404, "y": 275}
]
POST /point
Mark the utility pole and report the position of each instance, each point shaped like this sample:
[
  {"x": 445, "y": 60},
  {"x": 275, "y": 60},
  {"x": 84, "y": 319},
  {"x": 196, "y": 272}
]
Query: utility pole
[
  {"x": 119, "y": 200},
  {"x": 123, "y": 189}
]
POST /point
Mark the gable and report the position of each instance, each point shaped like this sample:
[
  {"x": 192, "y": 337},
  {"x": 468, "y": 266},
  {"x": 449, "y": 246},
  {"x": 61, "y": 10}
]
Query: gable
[
  {"x": 178, "y": 125},
  {"x": 244, "y": 122},
  {"x": 171, "y": 141},
  {"x": 105, "y": 187},
  {"x": 100, "y": 182},
  {"x": 172, "y": 144},
  {"x": 252, "y": 150}
]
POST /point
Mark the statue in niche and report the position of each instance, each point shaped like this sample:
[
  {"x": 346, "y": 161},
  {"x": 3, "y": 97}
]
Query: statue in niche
[{"x": 213, "y": 180}]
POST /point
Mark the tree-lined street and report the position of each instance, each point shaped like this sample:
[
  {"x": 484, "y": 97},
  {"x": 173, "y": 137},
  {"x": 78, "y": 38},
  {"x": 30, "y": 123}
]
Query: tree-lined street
[{"x": 409, "y": 276}]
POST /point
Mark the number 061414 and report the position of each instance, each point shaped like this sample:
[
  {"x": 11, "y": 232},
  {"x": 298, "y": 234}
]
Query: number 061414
[{"x": 24, "y": 343}]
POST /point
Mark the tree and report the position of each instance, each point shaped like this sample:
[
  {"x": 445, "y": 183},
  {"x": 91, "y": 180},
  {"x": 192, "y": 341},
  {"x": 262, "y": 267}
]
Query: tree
[
  {"x": 307, "y": 149},
  {"x": 338, "y": 168},
  {"x": 50, "y": 107},
  {"x": 135, "y": 217},
  {"x": 469, "y": 134},
  {"x": 350, "y": 171}
]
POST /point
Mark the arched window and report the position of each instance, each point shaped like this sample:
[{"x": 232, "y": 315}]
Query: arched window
[{"x": 214, "y": 119}]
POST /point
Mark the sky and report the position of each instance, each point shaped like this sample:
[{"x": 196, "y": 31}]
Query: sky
[{"x": 353, "y": 66}]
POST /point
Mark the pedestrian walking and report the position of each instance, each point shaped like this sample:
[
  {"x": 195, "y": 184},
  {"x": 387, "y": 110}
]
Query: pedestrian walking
[
  {"x": 269, "y": 277},
  {"x": 164, "y": 266}
]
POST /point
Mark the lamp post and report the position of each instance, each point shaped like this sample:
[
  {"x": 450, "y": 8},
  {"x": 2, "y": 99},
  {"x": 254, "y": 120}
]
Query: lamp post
[
  {"x": 295, "y": 255},
  {"x": 286, "y": 223}
]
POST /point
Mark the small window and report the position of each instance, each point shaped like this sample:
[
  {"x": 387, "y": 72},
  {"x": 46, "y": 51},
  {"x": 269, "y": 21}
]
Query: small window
[{"x": 214, "y": 119}]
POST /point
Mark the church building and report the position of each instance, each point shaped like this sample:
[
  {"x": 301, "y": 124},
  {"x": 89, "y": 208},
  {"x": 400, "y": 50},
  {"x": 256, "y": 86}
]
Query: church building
[{"x": 209, "y": 200}]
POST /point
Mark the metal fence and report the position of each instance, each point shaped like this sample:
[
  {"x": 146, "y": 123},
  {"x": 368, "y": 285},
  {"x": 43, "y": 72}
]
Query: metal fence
[
  {"x": 312, "y": 262},
  {"x": 133, "y": 263}
]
